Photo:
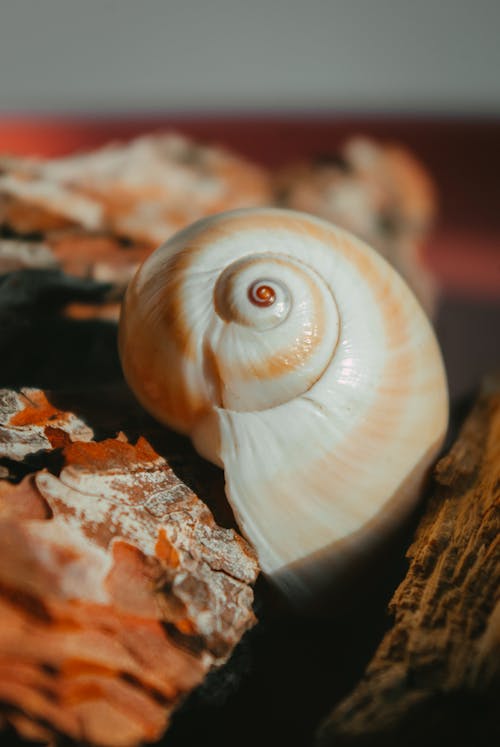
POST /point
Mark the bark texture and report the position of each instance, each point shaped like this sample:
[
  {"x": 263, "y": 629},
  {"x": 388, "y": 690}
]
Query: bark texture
[
  {"x": 118, "y": 591},
  {"x": 435, "y": 678}
]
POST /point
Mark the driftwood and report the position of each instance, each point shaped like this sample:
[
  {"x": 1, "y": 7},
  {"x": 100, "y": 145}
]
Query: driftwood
[
  {"x": 435, "y": 678},
  {"x": 118, "y": 591}
]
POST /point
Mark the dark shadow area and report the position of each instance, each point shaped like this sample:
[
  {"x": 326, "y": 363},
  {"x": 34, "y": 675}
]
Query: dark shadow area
[
  {"x": 39, "y": 346},
  {"x": 468, "y": 331}
]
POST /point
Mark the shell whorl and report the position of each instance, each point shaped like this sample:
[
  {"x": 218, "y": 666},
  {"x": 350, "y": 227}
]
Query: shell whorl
[{"x": 299, "y": 361}]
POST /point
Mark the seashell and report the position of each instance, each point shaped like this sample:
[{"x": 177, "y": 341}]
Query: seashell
[{"x": 299, "y": 361}]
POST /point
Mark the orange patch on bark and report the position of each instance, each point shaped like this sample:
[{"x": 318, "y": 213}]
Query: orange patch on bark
[
  {"x": 39, "y": 411},
  {"x": 185, "y": 626},
  {"x": 109, "y": 454},
  {"x": 26, "y": 217}
]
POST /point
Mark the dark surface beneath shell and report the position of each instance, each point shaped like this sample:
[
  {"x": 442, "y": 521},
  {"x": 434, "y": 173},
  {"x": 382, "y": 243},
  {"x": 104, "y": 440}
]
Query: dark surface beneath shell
[{"x": 289, "y": 671}]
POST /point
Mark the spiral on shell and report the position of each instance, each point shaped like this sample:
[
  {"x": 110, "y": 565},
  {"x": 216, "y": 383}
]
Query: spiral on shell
[{"x": 299, "y": 361}]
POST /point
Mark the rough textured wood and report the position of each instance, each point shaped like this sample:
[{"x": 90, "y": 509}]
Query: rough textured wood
[
  {"x": 118, "y": 591},
  {"x": 29, "y": 422},
  {"x": 435, "y": 678},
  {"x": 143, "y": 190},
  {"x": 98, "y": 215}
]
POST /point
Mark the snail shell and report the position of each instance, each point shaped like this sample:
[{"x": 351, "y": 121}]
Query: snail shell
[{"x": 298, "y": 360}]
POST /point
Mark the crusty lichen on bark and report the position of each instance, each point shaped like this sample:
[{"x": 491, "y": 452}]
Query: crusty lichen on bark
[{"x": 118, "y": 591}]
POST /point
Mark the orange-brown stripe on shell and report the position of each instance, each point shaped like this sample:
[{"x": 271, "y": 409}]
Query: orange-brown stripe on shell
[
  {"x": 382, "y": 419},
  {"x": 182, "y": 261},
  {"x": 172, "y": 299},
  {"x": 261, "y": 295},
  {"x": 278, "y": 222},
  {"x": 288, "y": 359},
  {"x": 159, "y": 387},
  {"x": 386, "y": 405}
]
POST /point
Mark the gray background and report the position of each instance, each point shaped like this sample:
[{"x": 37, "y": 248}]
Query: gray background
[{"x": 112, "y": 55}]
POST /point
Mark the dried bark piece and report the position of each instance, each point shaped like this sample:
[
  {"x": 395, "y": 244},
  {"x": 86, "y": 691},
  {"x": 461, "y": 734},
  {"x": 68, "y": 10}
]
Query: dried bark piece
[
  {"x": 435, "y": 678},
  {"x": 118, "y": 593},
  {"x": 17, "y": 255},
  {"x": 30, "y": 423},
  {"x": 145, "y": 190},
  {"x": 22, "y": 500},
  {"x": 95, "y": 257},
  {"x": 102, "y": 257},
  {"x": 99, "y": 256},
  {"x": 22, "y": 213},
  {"x": 99, "y": 214}
]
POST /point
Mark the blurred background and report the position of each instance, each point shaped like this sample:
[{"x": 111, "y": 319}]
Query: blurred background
[
  {"x": 171, "y": 55},
  {"x": 281, "y": 82}
]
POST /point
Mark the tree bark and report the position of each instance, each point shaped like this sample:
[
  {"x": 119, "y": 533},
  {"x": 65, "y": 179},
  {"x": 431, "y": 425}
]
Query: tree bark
[
  {"x": 435, "y": 678},
  {"x": 118, "y": 591}
]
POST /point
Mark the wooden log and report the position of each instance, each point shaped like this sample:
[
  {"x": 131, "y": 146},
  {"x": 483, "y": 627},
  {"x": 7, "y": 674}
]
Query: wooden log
[
  {"x": 435, "y": 678},
  {"x": 118, "y": 591}
]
